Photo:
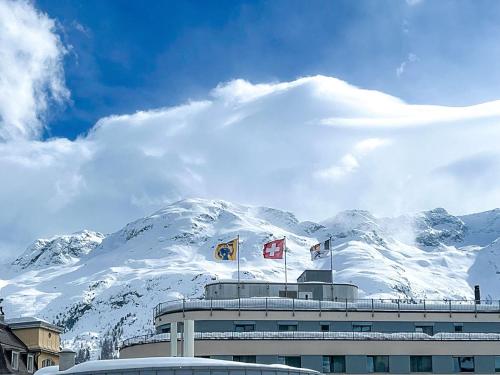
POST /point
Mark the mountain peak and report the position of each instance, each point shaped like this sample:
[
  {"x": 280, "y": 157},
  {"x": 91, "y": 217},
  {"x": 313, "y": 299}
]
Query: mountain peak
[{"x": 59, "y": 250}]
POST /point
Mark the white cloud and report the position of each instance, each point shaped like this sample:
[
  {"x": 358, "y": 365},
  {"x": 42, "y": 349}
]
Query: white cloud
[
  {"x": 411, "y": 58},
  {"x": 267, "y": 144},
  {"x": 31, "y": 72}
]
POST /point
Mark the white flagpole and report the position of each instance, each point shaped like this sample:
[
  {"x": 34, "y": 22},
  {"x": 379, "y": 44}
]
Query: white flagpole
[
  {"x": 238, "y": 256},
  {"x": 331, "y": 257},
  {"x": 331, "y": 264},
  {"x": 286, "y": 279}
]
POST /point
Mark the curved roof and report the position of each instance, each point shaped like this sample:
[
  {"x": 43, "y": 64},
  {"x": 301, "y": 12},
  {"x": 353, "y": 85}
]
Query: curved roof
[{"x": 164, "y": 363}]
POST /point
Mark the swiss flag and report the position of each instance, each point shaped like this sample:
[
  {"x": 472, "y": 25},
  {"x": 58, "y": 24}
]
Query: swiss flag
[{"x": 274, "y": 249}]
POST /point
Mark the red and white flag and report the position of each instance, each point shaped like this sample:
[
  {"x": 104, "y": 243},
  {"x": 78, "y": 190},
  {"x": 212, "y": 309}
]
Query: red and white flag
[{"x": 274, "y": 249}]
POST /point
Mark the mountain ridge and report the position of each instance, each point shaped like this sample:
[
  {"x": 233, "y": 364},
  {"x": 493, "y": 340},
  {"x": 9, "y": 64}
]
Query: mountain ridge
[{"x": 97, "y": 285}]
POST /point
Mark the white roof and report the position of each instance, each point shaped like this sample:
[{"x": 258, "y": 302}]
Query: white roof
[
  {"x": 28, "y": 322},
  {"x": 159, "y": 362}
]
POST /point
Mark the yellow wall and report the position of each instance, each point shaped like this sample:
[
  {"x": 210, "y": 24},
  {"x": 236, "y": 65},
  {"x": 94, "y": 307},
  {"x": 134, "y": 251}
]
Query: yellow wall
[
  {"x": 43, "y": 356},
  {"x": 40, "y": 339}
]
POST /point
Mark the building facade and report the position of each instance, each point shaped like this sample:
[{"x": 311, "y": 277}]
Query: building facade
[
  {"x": 27, "y": 344},
  {"x": 325, "y": 327},
  {"x": 15, "y": 356},
  {"x": 41, "y": 338}
]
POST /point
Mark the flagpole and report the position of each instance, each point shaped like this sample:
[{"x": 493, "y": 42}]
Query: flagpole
[
  {"x": 331, "y": 258},
  {"x": 286, "y": 279},
  {"x": 238, "y": 256},
  {"x": 331, "y": 264}
]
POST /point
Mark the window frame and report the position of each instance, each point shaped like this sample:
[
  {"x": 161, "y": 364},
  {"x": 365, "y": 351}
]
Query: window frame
[
  {"x": 457, "y": 364},
  {"x": 422, "y": 328},
  {"x": 30, "y": 363},
  {"x": 361, "y": 326},
  {"x": 282, "y": 359},
  {"x": 420, "y": 369},
  {"x": 15, "y": 364},
  {"x": 244, "y": 325},
  {"x": 243, "y": 358},
  {"x": 387, "y": 368},
  {"x": 288, "y": 325},
  {"x": 329, "y": 362}
]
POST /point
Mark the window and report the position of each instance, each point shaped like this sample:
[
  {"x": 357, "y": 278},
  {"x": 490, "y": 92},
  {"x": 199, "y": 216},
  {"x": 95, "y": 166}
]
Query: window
[
  {"x": 30, "y": 363},
  {"x": 428, "y": 330},
  {"x": 245, "y": 358},
  {"x": 463, "y": 364},
  {"x": 14, "y": 361},
  {"x": 289, "y": 293},
  {"x": 421, "y": 363},
  {"x": 287, "y": 327},
  {"x": 459, "y": 328},
  {"x": 497, "y": 363},
  {"x": 377, "y": 363},
  {"x": 244, "y": 327},
  {"x": 325, "y": 327},
  {"x": 335, "y": 363},
  {"x": 47, "y": 362},
  {"x": 293, "y": 361},
  {"x": 361, "y": 328}
]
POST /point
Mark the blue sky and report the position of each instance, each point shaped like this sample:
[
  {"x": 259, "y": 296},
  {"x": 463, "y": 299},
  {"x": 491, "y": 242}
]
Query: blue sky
[
  {"x": 130, "y": 55},
  {"x": 110, "y": 110}
]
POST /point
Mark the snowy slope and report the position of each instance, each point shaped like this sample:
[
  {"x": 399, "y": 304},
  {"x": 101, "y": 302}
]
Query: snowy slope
[{"x": 97, "y": 286}]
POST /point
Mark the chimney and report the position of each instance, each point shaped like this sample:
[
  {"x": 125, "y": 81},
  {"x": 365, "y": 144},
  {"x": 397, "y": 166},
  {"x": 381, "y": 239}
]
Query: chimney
[
  {"x": 66, "y": 359},
  {"x": 477, "y": 295}
]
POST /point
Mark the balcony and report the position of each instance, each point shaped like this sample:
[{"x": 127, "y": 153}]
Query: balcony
[
  {"x": 301, "y": 335},
  {"x": 293, "y": 304}
]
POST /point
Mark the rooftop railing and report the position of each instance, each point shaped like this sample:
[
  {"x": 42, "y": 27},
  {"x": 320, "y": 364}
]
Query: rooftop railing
[
  {"x": 302, "y": 335},
  {"x": 294, "y": 304}
]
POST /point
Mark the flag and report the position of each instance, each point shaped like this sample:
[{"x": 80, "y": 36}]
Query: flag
[
  {"x": 274, "y": 249},
  {"x": 227, "y": 251},
  {"x": 321, "y": 250}
]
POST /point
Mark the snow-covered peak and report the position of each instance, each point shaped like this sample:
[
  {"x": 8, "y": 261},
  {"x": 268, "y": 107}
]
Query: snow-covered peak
[
  {"x": 483, "y": 227},
  {"x": 437, "y": 227},
  {"x": 352, "y": 220},
  {"x": 61, "y": 249},
  {"x": 107, "y": 286}
]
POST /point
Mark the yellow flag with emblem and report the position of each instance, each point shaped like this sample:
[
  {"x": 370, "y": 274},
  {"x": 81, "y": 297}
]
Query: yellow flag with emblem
[{"x": 227, "y": 251}]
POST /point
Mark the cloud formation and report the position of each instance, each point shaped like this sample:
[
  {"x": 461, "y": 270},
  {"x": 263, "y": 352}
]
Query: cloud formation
[
  {"x": 31, "y": 71},
  {"x": 314, "y": 146}
]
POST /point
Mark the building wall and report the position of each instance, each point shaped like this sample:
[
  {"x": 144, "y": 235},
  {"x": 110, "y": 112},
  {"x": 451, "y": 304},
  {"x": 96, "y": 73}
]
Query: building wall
[
  {"x": 311, "y": 355},
  {"x": 320, "y": 291},
  {"x": 325, "y": 347},
  {"x": 336, "y": 326},
  {"x": 39, "y": 338}
]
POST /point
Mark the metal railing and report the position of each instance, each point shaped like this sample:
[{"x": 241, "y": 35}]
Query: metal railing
[
  {"x": 305, "y": 335},
  {"x": 293, "y": 304}
]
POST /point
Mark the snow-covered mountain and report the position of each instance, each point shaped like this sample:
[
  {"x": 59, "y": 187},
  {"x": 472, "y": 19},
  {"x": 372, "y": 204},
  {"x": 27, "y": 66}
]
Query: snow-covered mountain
[{"x": 97, "y": 285}]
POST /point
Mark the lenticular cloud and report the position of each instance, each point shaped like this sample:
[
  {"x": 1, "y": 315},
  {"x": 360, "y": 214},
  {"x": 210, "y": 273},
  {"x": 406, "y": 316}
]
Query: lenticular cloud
[{"x": 314, "y": 146}]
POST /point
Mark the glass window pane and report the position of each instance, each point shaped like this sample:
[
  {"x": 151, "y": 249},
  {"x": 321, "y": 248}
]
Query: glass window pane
[
  {"x": 463, "y": 364},
  {"x": 497, "y": 363},
  {"x": 421, "y": 364},
  {"x": 326, "y": 364},
  {"x": 378, "y": 363},
  {"x": 370, "y": 366},
  {"x": 337, "y": 364}
]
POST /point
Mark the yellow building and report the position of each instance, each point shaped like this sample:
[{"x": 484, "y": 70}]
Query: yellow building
[{"x": 41, "y": 338}]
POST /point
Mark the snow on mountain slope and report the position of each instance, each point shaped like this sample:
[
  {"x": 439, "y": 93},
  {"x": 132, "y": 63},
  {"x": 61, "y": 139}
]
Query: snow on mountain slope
[
  {"x": 65, "y": 249},
  {"x": 97, "y": 286}
]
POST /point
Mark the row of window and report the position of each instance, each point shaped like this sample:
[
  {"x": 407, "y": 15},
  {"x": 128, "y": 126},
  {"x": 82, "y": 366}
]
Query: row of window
[
  {"x": 374, "y": 363},
  {"x": 15, "y": 359},
  {"x": 325, "y": 327}
]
